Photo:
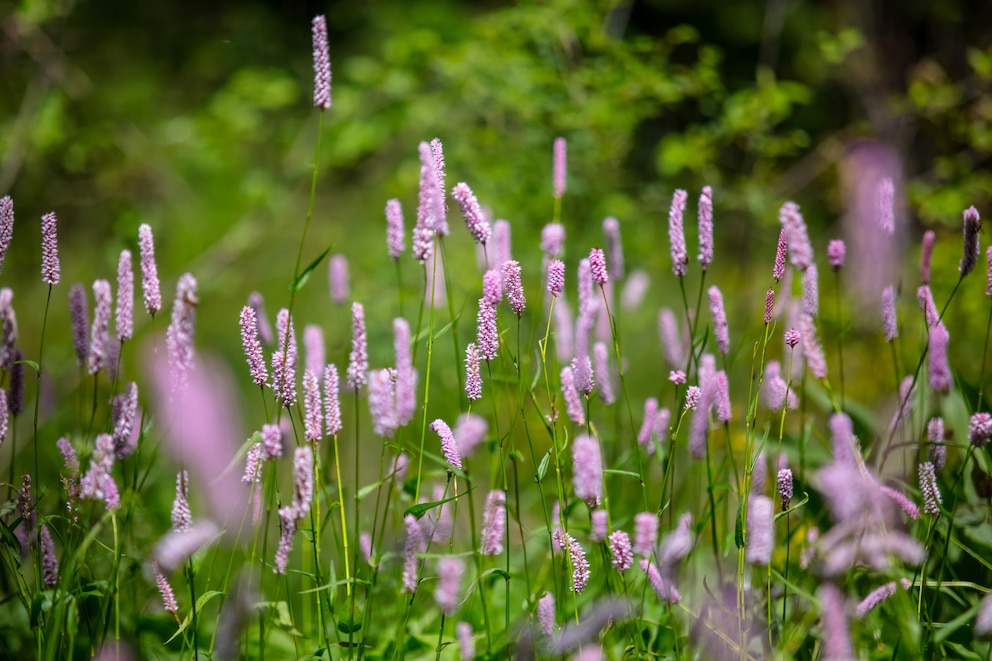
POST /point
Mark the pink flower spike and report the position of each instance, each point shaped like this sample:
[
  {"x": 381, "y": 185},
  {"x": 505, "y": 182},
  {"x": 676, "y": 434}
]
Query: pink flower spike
[
  {"x": 332, "y": 403},
  {"x": 99, "y": 352},
  {"x": 791, "y": 337},
  {"x": 553, "y": 239},
  {"x": 487, "y": 334},
  {"x": 980, "y": 429},
  {"x": 448, "y": 445},
  {"x": 598, "y": 521},
  {"x": 287, "y": 518},
  {"x": 597, "y": 267},
  {"x": 257, "y": 303},
  {"x": 929, "y": 488},
  {"x": 902, "y": 501},
  {"x": 470, "y": 430},
  {"x": 6, "y": 226},
  {"x": 337, "y": 276},
  {"x": 302, "y": 481},
  {"x": 760, "y": 530},
  {"x": 886, "y": 206},
  {"x": 663, "y": 588},
  {"x": 645, "y": 533},
  {"x": 313, "y": 414},
  {"x": 836, "y": 252},
  {"x": 473, "y": 375},
  {"x": 466, "y": 646},
  {"x": 614, "y": 246},
  {"x": 546, "y": 614},
  {"x": 125, "y": 297},
  {"x": 358, "y": 361},
  {"x": 784, "y": 484},
  {"x": 926, "y": 252},
  {"x": 49, "y": 561},
  {"x": 514, "y": 287},
  {"x": 168, "y": 596},
  {"x": 437, "y": 155},
  {"x": 836, "y": 631},
  {"x": 677, "y": 377},
  {"x": 475, "y": 220},
  {"x": 571, "y": 394},
  {"x": 50, "y": 269},
  {"x": 889, "y": 313},
  {"x": 449, "y": 578},
  {"x": 149, "y": 270},
  {"x": 706, "y": 227},
  {"x": 621, "y": 552},
  {"x": 811, "y": 291},
  {"x": 587, "y": 466},
  {"x": 721, "y": 396},
  {"x": 812, "y": 350},
  {"x": 769, "y": 305},
  {"x": 648, "y": 425},
  {"x": 778, "y": 270},
  {"x": 603, "y": 375},
  {"x": 252, "y": 347},
  {"x": 501, "y": 244},
  {"x": 556, "y": 277},
  {"x": 937, "y": 366},
  {"x": 988, "y": 260},
  {"x": 394, "y": 228},
  {"x": 668, "y": 333},
  {"x": 271, "y": 442},
  {"x": 492, "y": 287},
  {"x": 560, "y": 150},
  {"x": 972, "y": 226},
  {"x": 430, "y": 205},
  {"x": 577, "y": 556},
  {"x": 179, "y": 337},
  {"x": 413, "y": 544},
  {"x": 406, "y": 375},
  {"x": 182, "y": 519},
  {"x": 493, "y": 523},
  {"x": 800, "y": 250},
  {"x": 935, "y": 435},
  {"x": 382, "y": 403},
  {"x": 720, "y": 331},
  {"x": 321, "y": 64},
  {"x": 79, "y": 314},
  {"x": 676, "y": 233}
]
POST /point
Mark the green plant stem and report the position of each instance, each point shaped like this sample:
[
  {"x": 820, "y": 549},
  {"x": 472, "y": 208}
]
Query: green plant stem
[{"x": 351, "y": 627}]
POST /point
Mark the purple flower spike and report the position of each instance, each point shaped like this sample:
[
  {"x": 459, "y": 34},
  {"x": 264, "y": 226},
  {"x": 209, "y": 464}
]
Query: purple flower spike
[
  {"x": 836, "y": 252},
  {"x": 902, "y": 501},
  {"x": 983, "y": 621},
  {"x": 812, "y": 350},
  {"x": 791, "y": 337},
  {"x": 553, "y": 239},
  {"x": 358, "y": 360},
  {"x": 972, "y": 226},
  {"x": 800, "y": 250},
  {"x": 473, "y": 375},
  {"x": 337, "y": 275},
  {"x": 414, "y": 540},
  {"x": 321, "y": 64},
  {"x": 284, "y": 360},
  {"x": 769, "y": 305},
  {"x": 925, "y": 298},
  {"x": 929, "y": 489},
  {"x": 874, "y": 599},
  {"x": 487, "y": 334},
  {"x": 448, "y": 445},
  {"x": 572, "y": 403},
  {"x": 935, "y": 435},
  {"x": 466, "y": 646},
  {"x": 125, "y": 297},
  {"x": 836, "y": 632},
  {"x": 676, "y": 233},
  {"x": 252, "y": 347},
  {"x": 168, "y": 596},
  {"x": 886, "y": 206},
  {"x": 449, "y": 579},
  {"x": 501, "y": 244},
  {"x": 514, "y": 287},
  {"x": 621, "y": 552},
  {"x": 602, "y": 367},
  {"x": 8, "y": 330},
  {"x": 493, "y": 523},
  {"x": 332, "y": 403},
  {"x": 100, "y": 334},
  {"x": 980, "y": 429},
  {"x": 988, "y": 260},
  {"x": 437, "y": 155},
  {"x": 406, "y": 374},
  {"x": 546, "y": 614},
  {"x": 6, "y": 226},
  {"x": 182, "y": 518},
  {"x": 149, "y": 270},
  {"x": 939, "y": 370},
  {"x": 382, "y": 403},
  {"x": 475, "y": 220},
  {"x": 50, "y": 269},
  {"x": 180, "y": 333},
  {"x": 778, "y": 270},
  {"x": 492, "y": 287},
  {"x": 926, "y": 252},
  {"x": 313, "y": 414},
  {"x": 597, "y": 267},
  {"x": 556, "y": 277},
  {"x": 720, "y": 331},
  {"x": 614, "y": 246},
  {"x": 706, "y": 227},
  {"x": 394, "y": 228},
  {"x": 598, "y": 521},
  {"x": 889, "y": 313},
  {"x": 49, "y": 561},
  {"x": 692, "y": 396},
  {"x": 668, "y": 333},
  {"x": 430, "y": 206},
  {"x": 80, "y": 322},
  {"x": 811, "y": 291},
  {"x": 271, "y": 442},
  {"x": 587, "y": 465},
  {"x": 721, "y": 396},
  {"x": 580, "y": 566},
  {"x": 760, "y": 530},
  {"x": 287, "y": 517},
  {"x": 663, "y": 588},
  {"x": 648, "y": 426},
  {"x": 785, "y": 487},
  {"x": 559, "y": 167},
  {"x": 302, "y": 480},
  {"x": 645, "y": 533}
]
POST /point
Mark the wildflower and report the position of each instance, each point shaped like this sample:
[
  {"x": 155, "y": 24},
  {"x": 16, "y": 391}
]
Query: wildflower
[
  {"x": 125, "y": 411},
  {"x": 760, "y": 530},
  {"x": 284, "y": 360},
  {"x": 473, "y": 376},
  {"x": 125, "y": 297},
  {"x": 602, "y": 364},
  {"x": 271, "y": 442},
  {"x": 413, "y": 544},
  {"x": 448, "y": 445},
  {"x": 173, "y": 549},
  {"x": 406, "y": 375},
  {"x": 475, "y": 220},
  {"x": 556, "y": 277},
  {"x": 252, "y": 347},
  {"x": 692, "y": 396},
  {"x": 812, "y": 349},
  {"x": 582, "y": 365},
  {"x": 6, "y": 226},
  {"x": 939, "y": 371},
  {"x": 252, "y": 472},
  {"x": 313, "y": 418},
  {"x": 466, "y": 646},
  {"x": 100, "y": 332},
  {"x": 634, "y": 289},
  {"x": 430, "y": 205},
  {"x": 875, "y": 598},
  {"x": 69, "y": 457},
  {"x": 98, "y": 482},
  {"x": 50, "y": 270},
  {"x": 785, "y": 487},
  {"x": 394, "y": 228},
  {"x": 564, "y": 334},
  {"x": 358, "y": 360},
  {"x": 332, "y": 405},
  {"x": 256, "y": 303},
  {"x": 437, "y": 156},
  {"x": 836, "y": 632},
  {"x": 929, "y": 488},
  {"x": 979, "y": 429},
  {"x": 552, "y": 240},
  {"x": 49, "y": 561},
  {"x": 287, "y": 518},
  {"x": 423, "y": 242},
  {"x": 664, "y": 589},
  {"x": 676, "y": 233},
  {"x": 988, "y": 260},
  {"x": 573, "y": 405},
  {"x": 778, "y": 270},
  {"x": 168, "y": 596},
  {"x": 938, "y": 451},
  {"x": 811, "y": 291},
  {"x": 546, "y": 614},
  {"x": 514, "y": 288},
  {"x": 721, "y": 396},
  {"x": 676, "y": 544},
  {"x": 337, "y": 278},
  {"x": 149, "y": 270},
  {"x": 647, "y": 426},
  {"x": 382, "y": 403},
  {"x": 577, "y": 556},
  {"x": 621, "y": 553},
  {"x": 926, "y": 251},
  {"x": 645, "y": 533},
  {"x": 669, "y": 335},
  {"x": 983, "y": 621},
  {"x": 759, "y": 473},
  {"x": 972, "y": 225},
  {"x": 719, "y": 320},
  {"x": 598, "y": 520},
  {"x": 302, "y": 480},
  {"x": 800, "y": 250},
  {"x": 597, "y": 267},
  {"x": 469, "y": 431},
  {"x": 180, "y": 333},
  {"x": 889, "y": 313},
  {"x": 885, "y": 203},
  {"x": 559, "y": 167},
  {"x": 492, "y": 287},
  {"x": 449, "y": 577},
  {"x": 587, "y": 466},
  {"x": 902, "y": 501},
  {"x": 925, "y": 298},
  {"x": 487, "y": 335},
  {"x": 791, "y": 337},
  {"x": 661, "y": 421},
  {"x": 843, "y": 442},
  {"x": 493, "y": 523},
  {"x": 8, "y": 329},
  {"x": 777, "y": 390},
  {"x": 80, "y": 322},
  {"x": 907, "y": 390},
  {"x": 836, "y": 252},
  {"x": 182, "y": 519},
  {"x": 321, "y": 64},
  {"x": 15, "y": 392}
]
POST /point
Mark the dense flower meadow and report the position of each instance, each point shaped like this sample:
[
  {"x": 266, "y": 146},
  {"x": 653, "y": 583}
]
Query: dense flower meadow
[{"x": 489, "y": 484}]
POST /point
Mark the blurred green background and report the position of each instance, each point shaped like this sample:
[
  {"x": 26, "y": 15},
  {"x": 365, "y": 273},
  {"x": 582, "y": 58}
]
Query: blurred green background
[{"x": 197, "y": 118}]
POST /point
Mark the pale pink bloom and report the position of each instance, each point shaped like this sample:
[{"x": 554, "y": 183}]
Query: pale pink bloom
[
  {"x": 720, "y": 331},
  {"x": 253, "y": 473},
  {"x": 473, "y": 375},
  {"x": 553, "y": 239},
  {"x": 645, "y": 533},
  {"x": 875, "y": 598},
  {"x": 937, "y": 366},
  {"x": 287, "y": 518},
  {"x": 560, "y": 150},
  {"x": 621, "y": 552},
  {"x": 665, "y": 589},
  {"x": 69, "y": 457},
  {"x": 598, "y": 521},
  {"x": 983, "y": 621},
  {"x": 556, "y": 277},
  {"x": 321, "y": 64},
  {"x": 648, "y": 425},
  {"x": 125, "y": 297},
  {"x": 692, "y": 396},
  {"x": 332, "y": 403},
  {"x": 812, "y": 350},
  {"x": 546, "y": 614},
  {"x": 448, "y": 445},
  {"x": 501, "y": 244},
  {"x": 587, "y": 466},
  {"x": 926, "y": 252},
  {"x": 889, "y": 313},
  {"x": 358, "y": 360},
  {"x": 252, "y": 347},
  {"x": 571, "y": 394},
  {"x": 168, "y": 596},
  {"x": 900, "y": 499},
  {"x": 778, "y": 270},
  {"x": 182, "y": 518},
  {"x": 811, "y": 291},
  {"x": 337, "y": 278},
  {"x": 634, "y": 290},
  {"x": 938, "y": 451},
  {"x": 928, "y": 487},
  {"x": 603, "y": 374},
  {"x": 671, "y": 343},
  {"x": 475, "y": 220},
  {"x": 382, "y": 403},
  {"x": 513, "y": 286},
  {"x": 470, "y": 430},
  {"x": 836, "y": 252},
  {"x": 836, "y": 631},
  {"x": 149, "y": 270},
  {"x": 564, "y": 331},
  {"x": 313, "y": 417},
  {"x": 6, "y": 226},
  {"x": 176, "y": 546},
  {"x": 676, "y": 233},
  {"x": 493, "y": 523},
  {"x": 577, "y": 556},
  {"x": 302, "y": 480},
  {"x": 800, "y": 250},
  {"x": 972, "y": 226},
  {"x": 50, "y": 269},
  {"x": 980, "y": 429},
  {"x": 49, "y": 561},
  {"x": 597, "y": 267},
  {"x": 179, "y": 337},
  {"x": 394, "y": 228},
  {"x": 406, "y": 375},
  {"x": 466, "y": 646},
  {"x": 925, "y": 298},
  {"x": 449, "y": 578},
  {"x": 487, "y": 334},
  {"x": 413, "y": 544},
  {"x": 100, "y": 333},
  {"x": 79, "y": 315},
  {"x": 492, "y": 287},
  {"x": 785, "y": 487},
  {"x": 124, "y": 414},
  {"x": 760, "y": 530}
]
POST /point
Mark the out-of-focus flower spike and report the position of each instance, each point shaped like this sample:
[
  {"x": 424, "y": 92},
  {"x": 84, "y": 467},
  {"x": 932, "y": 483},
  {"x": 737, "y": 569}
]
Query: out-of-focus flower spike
[
  {"x": 800, "y": 250},
  {"x": 79, "y": 315},
  {"x": 811, "y": 291},
  {"x": 168, "y": 596},
  {"x": 182, "y": 519},
  {"x": 760, "y": 530},
  {"x": 587, "y": 464},
  {"x": 720, "y": 331},
  {"x": 493, "y": 523},
  {"x": 940, "y": 378},
  {"x": 394, "y": 228},
  {"x": 836, "y": 253},
  {"x": 886, "y": 206},
  {"x": 179, "y": 338},
  {"x": 926, "y": 252},
  {"x": 99, "y": 352},
  {"x": 546, "y": 614},
  {"x": 382, "y": 403},
  {"x": 889, "y": 313},
  {"x": 553, "y": 239},
  {"x": 614, "y": 246},
  {"x": 559, "y": 176},
  {"x": 972, "y": 226},
  {"x": 572, "y": 403},
  {"x": 337, "y": 278}
]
